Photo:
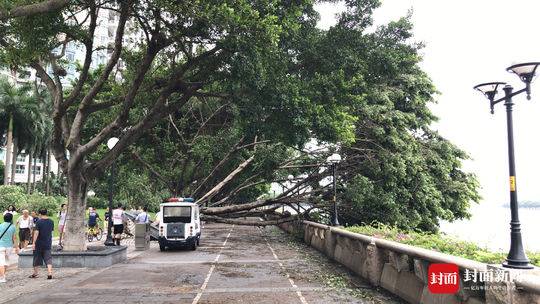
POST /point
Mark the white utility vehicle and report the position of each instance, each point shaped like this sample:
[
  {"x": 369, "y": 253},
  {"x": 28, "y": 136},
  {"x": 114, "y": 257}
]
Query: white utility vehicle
[{"x": 179, "y": 224}]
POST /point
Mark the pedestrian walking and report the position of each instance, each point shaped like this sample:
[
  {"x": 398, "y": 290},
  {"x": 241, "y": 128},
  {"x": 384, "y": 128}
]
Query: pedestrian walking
[
  {"x": 8, "y": 240},
  {"x": 62, "y": 216},
  {"x": 118, "y": 223},
  {"x": 24, "y": 223},
  {"x": 142, "y": 217},
  {"x": 43, "y": 244}
]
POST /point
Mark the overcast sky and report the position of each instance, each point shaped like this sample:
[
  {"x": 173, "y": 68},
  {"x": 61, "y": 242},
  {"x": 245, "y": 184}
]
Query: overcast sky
[{"x": 470, "y": 42}]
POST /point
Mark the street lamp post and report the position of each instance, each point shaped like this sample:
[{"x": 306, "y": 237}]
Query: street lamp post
[
  {"x": 109, "y": 241},
  {"x": 526, "y": 71},
  {"x": 334, "y": 159}
]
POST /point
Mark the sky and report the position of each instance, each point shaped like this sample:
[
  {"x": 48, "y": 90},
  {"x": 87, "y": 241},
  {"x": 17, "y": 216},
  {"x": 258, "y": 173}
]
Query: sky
[{"x": 467, "y": 43}]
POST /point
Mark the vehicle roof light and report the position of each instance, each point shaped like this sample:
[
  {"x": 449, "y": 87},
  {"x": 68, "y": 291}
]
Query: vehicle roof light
[{"x": 181, "y": 199}]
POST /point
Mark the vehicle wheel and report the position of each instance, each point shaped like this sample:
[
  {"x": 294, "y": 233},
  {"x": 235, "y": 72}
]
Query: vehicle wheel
[
  {"x": 199, "y": 241},
  {"x": 161, "y": 247},
  {"x": 99, "y": 235},
  {"x": 194, "y": 246}
]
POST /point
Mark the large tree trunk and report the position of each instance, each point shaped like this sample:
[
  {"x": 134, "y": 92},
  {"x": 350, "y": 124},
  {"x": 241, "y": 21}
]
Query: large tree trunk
[
  {"x": 29, "y": 175},
  {"x": 14, "y": 160},
  {"x": 74, "y": 232},
  {"x": 9, "y": 146}
]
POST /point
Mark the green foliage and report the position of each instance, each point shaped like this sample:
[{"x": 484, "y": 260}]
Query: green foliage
[
  {"x": 438, "y": 242},
  {"x": 97, "y": 202},
  {"x": 16, "y": 195},
  {"x": 11, "y": 195},
  {"x": 132, "y": 189},
  {"x": 37, "y": 201},
  {"x": 274, "y": 77},
  {"x": 397, "y": 170}
]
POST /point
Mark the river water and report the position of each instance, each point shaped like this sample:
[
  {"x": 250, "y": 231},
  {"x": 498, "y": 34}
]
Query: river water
[{"x": 489, "y": 227}]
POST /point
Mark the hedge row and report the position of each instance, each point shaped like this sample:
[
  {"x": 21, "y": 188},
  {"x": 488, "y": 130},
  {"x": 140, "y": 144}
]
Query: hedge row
[
  {"x": 439, "y": 242},
  {"x": 16, "y": 196}
]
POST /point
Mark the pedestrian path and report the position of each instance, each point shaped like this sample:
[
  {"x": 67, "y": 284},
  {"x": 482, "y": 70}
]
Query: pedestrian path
[{"x": 234, "y": 264}]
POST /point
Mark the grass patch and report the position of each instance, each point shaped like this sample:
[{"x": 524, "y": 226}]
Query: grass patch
[{"x": 439, "y": 242}]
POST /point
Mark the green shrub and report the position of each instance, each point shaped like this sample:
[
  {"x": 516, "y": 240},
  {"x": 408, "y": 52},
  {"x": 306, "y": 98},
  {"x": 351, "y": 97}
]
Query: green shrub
[
  {"x": 37, "y": 201},
  {"x": 97, "y": 202},
  {"x": 11, "y": 195},
  {"x": 15, "y": 195},
  {"x": 438, "y": 242}
]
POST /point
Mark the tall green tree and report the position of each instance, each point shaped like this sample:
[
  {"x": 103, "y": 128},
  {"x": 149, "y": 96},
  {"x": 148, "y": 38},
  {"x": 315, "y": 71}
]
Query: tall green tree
[
  {"x": 220, "y": 98},
  {"x": 16, "y": 108},
  {"x": 187, "y": 50},
  {"x": 368, "y": 85}
]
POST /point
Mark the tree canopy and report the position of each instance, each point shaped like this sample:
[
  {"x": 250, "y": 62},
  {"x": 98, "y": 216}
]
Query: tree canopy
[{"x": 218, "y": 99}]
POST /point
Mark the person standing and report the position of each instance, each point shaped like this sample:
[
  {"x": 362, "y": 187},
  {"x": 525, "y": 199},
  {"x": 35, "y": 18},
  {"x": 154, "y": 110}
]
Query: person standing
[
  {"x": 142, "y": 217},
  {"x": 8, "y": 240},
  {"x": 42, "y": 244},
  {"x": 106, "y": 216},
  {"x": 118, "y": 223},
  {"x": 62, "y": 216},
  {"x": 24, "y": 223},
  {"x": 35, "y": 218},
  {"x": 11, "y": 209}
]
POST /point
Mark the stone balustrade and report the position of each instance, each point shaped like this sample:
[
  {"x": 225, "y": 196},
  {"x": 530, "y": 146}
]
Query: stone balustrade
[{"x": 403, "y": 269}]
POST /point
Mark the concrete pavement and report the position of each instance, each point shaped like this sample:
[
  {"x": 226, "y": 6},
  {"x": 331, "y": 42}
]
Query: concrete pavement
[{"x": 235, "y": 264}]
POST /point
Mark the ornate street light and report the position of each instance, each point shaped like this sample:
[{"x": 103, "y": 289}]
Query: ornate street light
[
  {"x": 109, "y": 241},
  {"x": 334, "y": 160},
  {"x": 526, "y": 72}
]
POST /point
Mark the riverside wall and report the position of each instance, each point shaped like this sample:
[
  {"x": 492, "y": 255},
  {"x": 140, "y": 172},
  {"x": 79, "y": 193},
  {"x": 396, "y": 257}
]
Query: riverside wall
[{"x": 403, "y": 269}]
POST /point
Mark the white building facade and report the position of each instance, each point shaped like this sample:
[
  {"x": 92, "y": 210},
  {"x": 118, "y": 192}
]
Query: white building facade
[
  {"x": 22, "y": 169},
  {"x": 104, "y": 37}
]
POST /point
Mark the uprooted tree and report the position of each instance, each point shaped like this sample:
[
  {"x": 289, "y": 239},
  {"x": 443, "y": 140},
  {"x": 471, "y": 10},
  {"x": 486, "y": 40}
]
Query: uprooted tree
[
  {"x": 395, "y": 169},
  {"x": 218, "y": 99}
]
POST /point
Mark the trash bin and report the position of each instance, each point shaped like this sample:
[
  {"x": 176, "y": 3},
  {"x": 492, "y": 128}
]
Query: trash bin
[{"x": 142, "y": 237}]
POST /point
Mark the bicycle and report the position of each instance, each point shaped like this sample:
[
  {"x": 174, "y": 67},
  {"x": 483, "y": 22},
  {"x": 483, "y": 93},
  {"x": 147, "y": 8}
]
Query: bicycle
[{"x": 94, "y": 232}]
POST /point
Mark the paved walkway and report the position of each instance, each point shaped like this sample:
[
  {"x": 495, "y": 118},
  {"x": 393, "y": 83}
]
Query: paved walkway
[{"x": 233, "y": 265}]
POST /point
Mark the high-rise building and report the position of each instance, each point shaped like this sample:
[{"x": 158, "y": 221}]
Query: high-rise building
[{"x": 104, "y": 36}]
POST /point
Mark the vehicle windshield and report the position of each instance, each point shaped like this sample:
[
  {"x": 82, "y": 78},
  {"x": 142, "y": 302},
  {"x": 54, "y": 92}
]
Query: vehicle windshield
[{"x": 176, "y": 214}]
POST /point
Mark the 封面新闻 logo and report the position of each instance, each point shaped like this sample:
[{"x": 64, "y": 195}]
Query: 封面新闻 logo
[{"x": 443, "y": 278}]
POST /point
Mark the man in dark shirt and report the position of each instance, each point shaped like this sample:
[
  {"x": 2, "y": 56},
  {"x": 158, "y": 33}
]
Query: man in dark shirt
[{"x": 42, "y": 243}]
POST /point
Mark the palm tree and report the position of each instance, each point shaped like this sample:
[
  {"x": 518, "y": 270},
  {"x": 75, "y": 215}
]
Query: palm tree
[
  {"x": 13, "y": 103},
  {"x": 40, "y": 129},
  {"x": 23, "y": 110}
]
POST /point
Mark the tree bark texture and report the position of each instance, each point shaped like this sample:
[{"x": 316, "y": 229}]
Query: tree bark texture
[
  {"x": 34, "y": 174},
  {"x": 9, "y": 146},
  {"x": 47, "y": 173},
  {"x": 14, "y": 160},
  {"x": 74, "y": 232},
  {"x": 29, "y": 175}
]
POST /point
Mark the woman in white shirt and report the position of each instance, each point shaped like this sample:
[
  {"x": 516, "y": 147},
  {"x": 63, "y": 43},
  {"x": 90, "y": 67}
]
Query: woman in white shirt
[{"x": 25, "y": 223}]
